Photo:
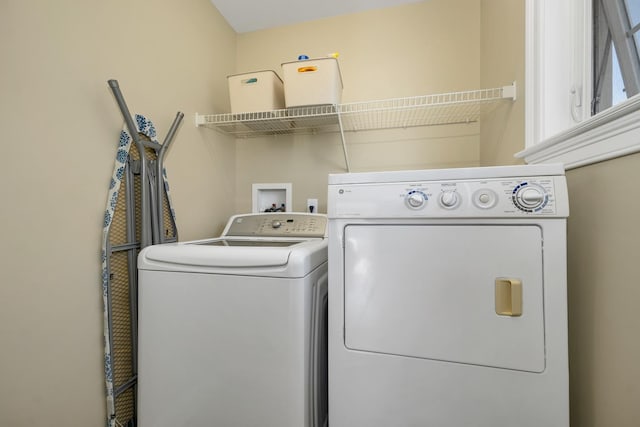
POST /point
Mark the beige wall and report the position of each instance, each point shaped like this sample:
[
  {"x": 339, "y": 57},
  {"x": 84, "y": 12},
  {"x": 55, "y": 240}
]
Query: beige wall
[
  {"x": 502, "y": 61},
  {"x": 59, "y": 132},
  {"x": 416, "y": 49},
  {"x": 604, "y": 293}
]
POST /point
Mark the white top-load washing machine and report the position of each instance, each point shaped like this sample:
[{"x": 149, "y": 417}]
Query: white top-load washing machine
[
  {"x": 447, "y": 296},
  {"x": 233, "y": 330}
]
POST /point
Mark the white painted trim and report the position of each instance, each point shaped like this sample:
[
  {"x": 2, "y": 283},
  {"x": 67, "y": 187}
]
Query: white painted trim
[
  {"x": 550, "y": 75},
  {"x": 613, "y": 133},
  {"x": 533, "y": 73},
  {"x": 582, "y": 47}
]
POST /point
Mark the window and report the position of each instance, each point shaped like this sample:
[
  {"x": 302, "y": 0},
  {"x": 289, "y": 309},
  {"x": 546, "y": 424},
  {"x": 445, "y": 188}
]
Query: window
[
  {"x": 616, "y": 64},
  {"x": 570, "y": 62}
]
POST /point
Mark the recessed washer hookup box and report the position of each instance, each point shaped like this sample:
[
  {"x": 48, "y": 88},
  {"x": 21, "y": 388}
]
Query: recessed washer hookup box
[
  {"x": 312, "y": 82},
  {"x": 255, "y": 91}
]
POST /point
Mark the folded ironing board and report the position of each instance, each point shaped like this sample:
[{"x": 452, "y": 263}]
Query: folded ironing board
[{"x": 138, "y": 213}]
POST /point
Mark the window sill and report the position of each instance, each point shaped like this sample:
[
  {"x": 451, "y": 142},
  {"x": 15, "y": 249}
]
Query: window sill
[{"x": 610, "y": 134}]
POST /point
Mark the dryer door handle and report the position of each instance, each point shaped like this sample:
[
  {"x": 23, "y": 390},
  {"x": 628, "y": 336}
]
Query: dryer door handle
[{"x": 508, "y": 297}]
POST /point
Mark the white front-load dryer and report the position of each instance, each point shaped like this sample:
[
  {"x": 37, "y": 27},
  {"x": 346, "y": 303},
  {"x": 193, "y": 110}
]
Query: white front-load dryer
[
  {"x": 233, "y": 330},
  {"x": 447, "y": 296}
]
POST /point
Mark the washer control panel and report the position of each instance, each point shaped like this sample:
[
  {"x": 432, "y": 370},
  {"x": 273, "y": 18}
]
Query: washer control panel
[
  {"x": 499, "y": 197},
  {"x": 277, "y": 225}
]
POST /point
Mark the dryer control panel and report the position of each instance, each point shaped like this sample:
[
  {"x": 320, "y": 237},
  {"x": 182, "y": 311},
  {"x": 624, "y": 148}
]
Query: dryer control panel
[
  {"x": 544, "y": 196},
  {"x": 277, "y": 225}
]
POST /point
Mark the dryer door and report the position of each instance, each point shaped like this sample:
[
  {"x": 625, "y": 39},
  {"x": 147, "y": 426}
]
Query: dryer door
[{"x": 439, "y": 292}]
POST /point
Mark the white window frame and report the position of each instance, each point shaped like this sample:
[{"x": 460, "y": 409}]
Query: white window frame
[{"x": 558, "y": 127}]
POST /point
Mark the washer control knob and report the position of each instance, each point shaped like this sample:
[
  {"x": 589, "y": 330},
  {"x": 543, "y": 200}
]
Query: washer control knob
[
  {"x": 416, "y": 199},
  {"x": 276, "y": 224},
  {"x": 449, "y": 199}
]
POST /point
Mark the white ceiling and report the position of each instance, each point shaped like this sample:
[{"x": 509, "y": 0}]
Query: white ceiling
[{"x": 252, "y": 15}]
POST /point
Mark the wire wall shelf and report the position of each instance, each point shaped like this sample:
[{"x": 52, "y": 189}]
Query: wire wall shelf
[
  {"x": 427, "y": 110},
  {"x": 277, "y": 122}
]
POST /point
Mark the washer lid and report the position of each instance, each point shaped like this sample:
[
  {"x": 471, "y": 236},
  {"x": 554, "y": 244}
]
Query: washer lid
[
  {"x": 250, "y": 243},
  {"x": 241, "y": 256},
  {"x": 215, "y": 253}
]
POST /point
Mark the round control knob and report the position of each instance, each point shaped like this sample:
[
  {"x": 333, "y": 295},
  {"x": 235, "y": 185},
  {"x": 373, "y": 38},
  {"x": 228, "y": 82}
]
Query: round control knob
[
  {"x": 416, "y": 199},
  {"x": 276, "y": 224},
  {"x": 449, "y": 199},
  {"x": 529, "y": 197}
]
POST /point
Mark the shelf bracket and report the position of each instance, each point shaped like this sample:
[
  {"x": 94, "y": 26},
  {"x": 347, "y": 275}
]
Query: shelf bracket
[
  {"x": 344, "y": 142},
  {"x": 510, "y": 91}
]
